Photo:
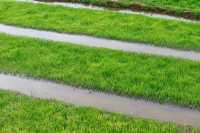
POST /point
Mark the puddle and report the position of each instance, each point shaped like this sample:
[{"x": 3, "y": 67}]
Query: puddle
[
  {"x": 112, "y": 103},
  {"x": 79, "y": 5},
  {"x": 65, "y": 4},
  {"x": 99, "y": 42}
]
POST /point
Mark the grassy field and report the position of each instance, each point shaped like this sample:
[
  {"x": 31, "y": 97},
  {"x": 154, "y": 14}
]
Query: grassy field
[
  {"x": 150, "y": 77},
  {"x": 106, "y": 24},
  {"x": 24, "y": 114},
  {"x": 185, "y": 8}
]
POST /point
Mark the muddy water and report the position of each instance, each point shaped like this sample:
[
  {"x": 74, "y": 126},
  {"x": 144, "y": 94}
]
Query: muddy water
[
  {"x": 98, "y": 42},
  {"x": 79, "y": 5},
  {"x": 112, "y": 103}
]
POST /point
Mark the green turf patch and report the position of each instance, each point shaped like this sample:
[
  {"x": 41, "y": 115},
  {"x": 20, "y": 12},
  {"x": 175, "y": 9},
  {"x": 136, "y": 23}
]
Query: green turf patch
[
  {"x": 151, "y": 77},
  {"x": 107, "y": 24},
  {"x": 24, "y": 114}
]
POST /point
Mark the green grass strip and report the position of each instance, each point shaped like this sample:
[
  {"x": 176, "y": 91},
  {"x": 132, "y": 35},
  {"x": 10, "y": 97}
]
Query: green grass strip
[
  {"x": 107, "y": 24},
  {"x": 151, "y": 77},
  {"x": 24, "y": 114}
]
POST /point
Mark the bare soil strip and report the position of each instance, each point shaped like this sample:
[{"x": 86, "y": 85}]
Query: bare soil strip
[
  {"x": 107, "y": 102},
  {"x": 99, "y": 42}
]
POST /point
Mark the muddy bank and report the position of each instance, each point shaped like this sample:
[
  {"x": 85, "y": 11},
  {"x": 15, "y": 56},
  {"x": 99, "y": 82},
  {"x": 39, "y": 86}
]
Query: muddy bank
[{"x": 115, "y": 5}]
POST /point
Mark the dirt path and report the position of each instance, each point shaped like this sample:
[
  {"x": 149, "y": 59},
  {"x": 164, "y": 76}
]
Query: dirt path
[
  {"x": 98, "y": 42},
  {"x": 112, "y": 103}
]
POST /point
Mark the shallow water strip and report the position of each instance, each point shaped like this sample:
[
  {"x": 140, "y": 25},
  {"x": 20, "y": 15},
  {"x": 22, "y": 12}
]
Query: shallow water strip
[
  {"x": 107, "y": 102},
  {"x": 98, "y": 8},
  {"x": 100, "y": 42}
]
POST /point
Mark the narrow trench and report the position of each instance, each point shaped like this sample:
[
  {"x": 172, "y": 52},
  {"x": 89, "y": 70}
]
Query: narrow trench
[
  {"x": 100, "y": 42},
  {"x": 104, "y": 101}
]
